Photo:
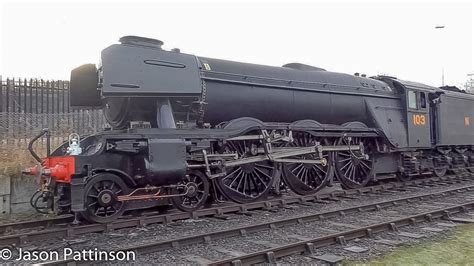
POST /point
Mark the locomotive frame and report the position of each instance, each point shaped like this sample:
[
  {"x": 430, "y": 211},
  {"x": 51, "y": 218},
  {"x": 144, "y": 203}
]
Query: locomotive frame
[{"x": 232, "y": 140}]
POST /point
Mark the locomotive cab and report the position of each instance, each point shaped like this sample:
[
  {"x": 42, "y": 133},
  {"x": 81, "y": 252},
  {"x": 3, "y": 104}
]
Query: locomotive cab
[
  {"x": 418, "y": 103},
  {"x": 418, "y": 118}
]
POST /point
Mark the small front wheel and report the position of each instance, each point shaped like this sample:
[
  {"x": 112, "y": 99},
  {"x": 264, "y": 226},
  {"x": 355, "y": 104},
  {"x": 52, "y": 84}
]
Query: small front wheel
[
  {"x": 195, "y": 188},
  {"x": 101, "y": 192}
]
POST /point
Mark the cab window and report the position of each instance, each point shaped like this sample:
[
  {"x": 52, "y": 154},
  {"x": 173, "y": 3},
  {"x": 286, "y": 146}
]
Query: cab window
[
  {"x": 412, "y": 102},
  {"x": 422, "y": 100}
]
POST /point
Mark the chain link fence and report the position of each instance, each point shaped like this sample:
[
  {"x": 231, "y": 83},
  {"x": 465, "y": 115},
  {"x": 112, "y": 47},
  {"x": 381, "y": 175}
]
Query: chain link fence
[
  {"x": 18, "y": 128},
  {"x": 29, "y": 105}
]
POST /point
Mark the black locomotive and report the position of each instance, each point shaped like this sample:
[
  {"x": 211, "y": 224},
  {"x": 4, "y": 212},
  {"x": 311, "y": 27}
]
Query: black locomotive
[{"x": 188, "y": 130}]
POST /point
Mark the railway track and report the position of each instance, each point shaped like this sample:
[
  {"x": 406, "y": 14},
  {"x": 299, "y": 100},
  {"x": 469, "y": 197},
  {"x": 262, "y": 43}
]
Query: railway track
[
  {"x": 61, "y": 227},
  {"x": 322, "y": 223},
  {"x": 307, "y": 246}
]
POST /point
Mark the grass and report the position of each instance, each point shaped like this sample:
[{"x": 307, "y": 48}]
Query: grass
[
  {"x": 457, "y": 249},
  {"x": 14, "y": 156},
  {"x": 13, "y": 160}
]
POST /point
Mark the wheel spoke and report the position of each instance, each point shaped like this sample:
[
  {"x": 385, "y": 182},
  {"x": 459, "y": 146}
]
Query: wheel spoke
[
  {"x": 241, "y": 147},
  {"x": 101, "y": 192},
  {"x": 264, "y": 166},
  {"x": 346, "y": 159},
  {"x": 245, "y": 184},
  {"x": 240, "y": 181},
  {"x": 319, "y": 168},
  {"x": 297, "y": 167},
  {"x": 364, "y": 169},
  {"x": 107, "y": 210},
  {"x": 348, "y": 169},
  {"x": 354, "y": 171},
  {"x": 308, "y": 178},
  {"x": 231, "y": 174},
  {"x": 305, "y": 176},
  {"x": 263, "y": 173},
  {"x": 252, "y": 180},
  {"x": 365, "y": 165},
  {"x": 347, "y": 164},
  {"x": 236, "y": 177},
  {"x": 259, "y": 178},
  {"x": 198, "y": 196}
]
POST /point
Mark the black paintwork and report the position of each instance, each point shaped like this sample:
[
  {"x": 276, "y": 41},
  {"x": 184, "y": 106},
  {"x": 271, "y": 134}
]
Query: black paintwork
[
  {"x": 210, "y": 92},
  {"x": 131, "y": 74}
]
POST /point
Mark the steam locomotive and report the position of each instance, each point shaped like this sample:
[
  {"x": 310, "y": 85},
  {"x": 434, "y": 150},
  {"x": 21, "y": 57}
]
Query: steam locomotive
[{"x": 188, "y": 130}]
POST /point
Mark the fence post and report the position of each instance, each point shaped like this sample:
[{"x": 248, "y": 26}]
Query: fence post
[
  {"x": 1, "y": 94},
  {"x": 19, "y": 114},
  {"x": 42, "y": 96},
  {"x": 63, "y": 96},
  {"x": 25, "y": 110},
  {"x": 47, "y": 96},
  {"x": 27, "y": 105},
  {"x": 19, "y": 94},
  {"x": 14, "y": 117},
  {"x": 25, "y": 95},
  {"x": 30, "y": 95}
]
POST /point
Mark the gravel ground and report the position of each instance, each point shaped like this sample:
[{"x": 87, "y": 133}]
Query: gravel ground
[
  {"x": 20, "y": 217},
  {"x": 204, "y": 225},
  {"x": 283, "y": 235},
  {"x": 374, "y": 248},
  {"x": 220, "y": 249}
]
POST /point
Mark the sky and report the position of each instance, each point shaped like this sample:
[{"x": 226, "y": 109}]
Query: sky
[{"x": 46, "y": 39}]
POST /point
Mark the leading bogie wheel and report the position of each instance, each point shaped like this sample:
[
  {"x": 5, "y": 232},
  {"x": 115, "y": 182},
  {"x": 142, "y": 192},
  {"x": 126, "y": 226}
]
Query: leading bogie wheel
[
  {"x": 195, "y": 191},
  {"x": 101, "y": 192}
]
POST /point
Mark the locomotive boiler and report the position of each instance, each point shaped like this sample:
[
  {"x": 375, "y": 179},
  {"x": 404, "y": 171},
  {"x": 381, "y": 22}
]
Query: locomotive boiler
[
  {"x": 141, "y": 82},
  {"x": 189, "y": 130}
]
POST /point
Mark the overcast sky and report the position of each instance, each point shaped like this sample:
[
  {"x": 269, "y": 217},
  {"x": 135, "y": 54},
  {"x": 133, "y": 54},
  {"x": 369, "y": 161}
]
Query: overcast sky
[{"x": 47, "y": 39}]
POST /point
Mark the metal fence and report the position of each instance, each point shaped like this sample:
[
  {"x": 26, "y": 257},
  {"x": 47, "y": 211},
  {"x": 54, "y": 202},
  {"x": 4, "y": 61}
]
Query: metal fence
[{"x": 29, "y": 105}]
